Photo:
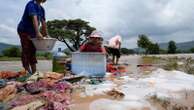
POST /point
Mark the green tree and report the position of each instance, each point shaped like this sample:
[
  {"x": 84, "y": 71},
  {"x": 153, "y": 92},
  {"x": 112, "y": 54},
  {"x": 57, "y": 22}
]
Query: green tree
[
  {"x": 12, "y": 52},
  {"x": 172, "y": 47},
  {"x": 192, "y": 50},
  {"x": 143, "y": 42},
  {"x": 153, "y": 48},
  {"x": 72, "y": 32}
]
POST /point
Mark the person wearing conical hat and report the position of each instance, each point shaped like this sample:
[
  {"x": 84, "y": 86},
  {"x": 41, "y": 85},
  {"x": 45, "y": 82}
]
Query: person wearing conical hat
[{"x": 94, "y": 43}]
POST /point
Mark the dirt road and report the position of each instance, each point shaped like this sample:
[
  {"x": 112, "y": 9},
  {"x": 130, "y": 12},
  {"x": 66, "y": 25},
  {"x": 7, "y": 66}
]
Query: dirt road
[{"x": 43, "y": 65}]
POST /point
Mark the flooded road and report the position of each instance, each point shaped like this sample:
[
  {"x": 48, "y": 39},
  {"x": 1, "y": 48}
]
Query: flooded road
[
  {"x": 131, "y": 60},
  {"x": 46, "y": 65},
  {"x": 43, "y": 65}
]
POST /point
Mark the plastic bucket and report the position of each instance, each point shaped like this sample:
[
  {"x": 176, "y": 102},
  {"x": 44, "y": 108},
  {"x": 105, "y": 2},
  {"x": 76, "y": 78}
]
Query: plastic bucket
[{"x": 89, "y": 63}]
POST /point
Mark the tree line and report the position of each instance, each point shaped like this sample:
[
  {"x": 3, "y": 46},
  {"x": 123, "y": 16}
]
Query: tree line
[
  {"x": 74, "y": 33},
  {"x": 15, "y": 51},
  {"x": 150, "y": 47}
]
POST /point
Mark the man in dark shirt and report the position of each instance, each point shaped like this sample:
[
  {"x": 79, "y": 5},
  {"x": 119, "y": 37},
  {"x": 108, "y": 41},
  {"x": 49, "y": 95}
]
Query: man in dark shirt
[{"x": 28, "y": 28}]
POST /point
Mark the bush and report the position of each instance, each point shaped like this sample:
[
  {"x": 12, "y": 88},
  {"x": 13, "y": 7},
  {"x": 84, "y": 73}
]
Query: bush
[
  {"x": 172, "y": 47},
  {"x": 192, "y": 50},
  {"x": 44, "y": 55},
  {"x": 12, "y": 52},
  {"x": 189, "y": 68},
  {"x": 48, "y": 55}
]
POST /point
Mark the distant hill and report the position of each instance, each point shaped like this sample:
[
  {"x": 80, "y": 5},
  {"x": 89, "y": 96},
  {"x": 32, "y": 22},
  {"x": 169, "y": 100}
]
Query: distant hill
[
  {"x": 184, "y": 46},
  {"x": 4, "y": 46}
]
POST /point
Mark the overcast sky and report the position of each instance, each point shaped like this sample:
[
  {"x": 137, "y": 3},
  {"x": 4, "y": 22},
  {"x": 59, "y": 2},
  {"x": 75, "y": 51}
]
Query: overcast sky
[{"x": 161, "y": 20}]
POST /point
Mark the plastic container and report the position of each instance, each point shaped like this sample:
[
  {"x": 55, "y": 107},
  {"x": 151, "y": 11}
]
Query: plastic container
[
  {"x": 59, "y": 60},
  {"x": 92, "y": 64},
  {"x": 45, "y": 44}
]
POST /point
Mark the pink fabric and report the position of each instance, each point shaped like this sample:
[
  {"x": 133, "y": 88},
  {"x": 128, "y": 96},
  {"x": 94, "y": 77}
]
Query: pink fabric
[
  {"x": 55, "y": 97},
  {"x": 22, "y": 100},
  {"x": 61, "y": 86},
  {"x": 57, "y": 101},
  {"x": 44, "y": 86}
]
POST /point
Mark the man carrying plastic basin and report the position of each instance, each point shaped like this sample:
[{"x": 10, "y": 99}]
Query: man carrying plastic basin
[{"x": 28, "y": 28}]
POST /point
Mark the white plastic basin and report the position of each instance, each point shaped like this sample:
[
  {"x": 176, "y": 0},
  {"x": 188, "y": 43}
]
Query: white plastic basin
[
  {"x": 45, "y": 44},
  {"x": 89, "y": 63}
]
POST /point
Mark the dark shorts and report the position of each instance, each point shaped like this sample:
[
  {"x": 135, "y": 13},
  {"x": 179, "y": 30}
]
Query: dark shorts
[
  {"x": 28, "y": 50},
  {"x": 113, "y": 51}
]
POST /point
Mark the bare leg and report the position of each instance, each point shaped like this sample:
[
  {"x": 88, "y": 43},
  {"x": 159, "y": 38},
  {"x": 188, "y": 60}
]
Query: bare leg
[
  {"x": 27, "y": 68},
  {"x": 113, "y": 59},
  {"x": 117, "y": 60},
  {"x": 33, "y": 67}
]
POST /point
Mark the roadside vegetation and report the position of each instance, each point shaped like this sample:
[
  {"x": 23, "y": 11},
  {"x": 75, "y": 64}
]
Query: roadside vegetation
[
  {"x": 14, "y": 54},
  {"x": 171, "y": 63},
  {"x": 146, "y": 46}
]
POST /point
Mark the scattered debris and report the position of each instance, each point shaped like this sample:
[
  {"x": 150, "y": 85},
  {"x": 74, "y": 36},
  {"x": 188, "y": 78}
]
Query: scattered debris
[{"x": 115, "y": 94}]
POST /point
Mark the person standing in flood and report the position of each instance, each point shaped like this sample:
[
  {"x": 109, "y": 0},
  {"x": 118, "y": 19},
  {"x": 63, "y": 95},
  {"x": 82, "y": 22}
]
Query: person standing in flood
[
  {"x": 113, "y": 48},
  {"x": 28, "y": 28}
]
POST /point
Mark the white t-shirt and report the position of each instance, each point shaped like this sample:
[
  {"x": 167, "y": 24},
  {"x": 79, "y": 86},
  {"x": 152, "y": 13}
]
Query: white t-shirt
[{"x": 114, "y": 42}]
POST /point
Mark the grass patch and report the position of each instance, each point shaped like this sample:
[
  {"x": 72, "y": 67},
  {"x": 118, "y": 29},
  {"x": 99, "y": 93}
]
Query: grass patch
[
  {"x": 10, "y": 58},
  {"x": 189, "y": 66},
  {"x": 150, "y": 59},
  {"x": 171, "y": 63}
]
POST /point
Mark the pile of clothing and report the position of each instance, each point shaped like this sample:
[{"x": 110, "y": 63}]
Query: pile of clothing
[
  {"x": 41, "y": 91},
  {"x": 116, "y": 70},
  {"x": 11, "y": 74},
  {"x": 7, "y": 91}
]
